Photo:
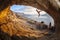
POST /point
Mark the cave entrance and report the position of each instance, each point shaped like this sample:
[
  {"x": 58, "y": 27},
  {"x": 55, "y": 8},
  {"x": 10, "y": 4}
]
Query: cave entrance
[
  {"x": 38, "y": 4},
  {"x": 34, "y": 16}
]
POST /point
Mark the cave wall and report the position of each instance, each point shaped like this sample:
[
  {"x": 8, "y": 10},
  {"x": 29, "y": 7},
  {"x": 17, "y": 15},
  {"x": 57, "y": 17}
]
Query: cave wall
[{"x": 46, "y": 5}]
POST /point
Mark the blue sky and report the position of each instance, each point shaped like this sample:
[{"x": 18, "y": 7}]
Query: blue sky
[{"x": 17, "y": 8}]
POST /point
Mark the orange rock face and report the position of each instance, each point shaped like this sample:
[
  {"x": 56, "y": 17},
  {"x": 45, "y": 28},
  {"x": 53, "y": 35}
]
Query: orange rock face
[{"x": 12, "y": 25}]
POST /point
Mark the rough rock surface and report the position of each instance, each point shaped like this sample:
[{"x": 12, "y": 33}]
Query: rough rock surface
[{"x": 45, "y": 5}]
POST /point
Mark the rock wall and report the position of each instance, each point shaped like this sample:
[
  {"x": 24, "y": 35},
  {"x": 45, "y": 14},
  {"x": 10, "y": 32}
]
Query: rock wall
[{"x": 48, "y": 6}]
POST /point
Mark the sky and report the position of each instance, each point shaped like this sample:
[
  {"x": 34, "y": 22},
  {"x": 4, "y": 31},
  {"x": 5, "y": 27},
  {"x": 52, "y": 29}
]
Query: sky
[{"x": 31, "y": 13}]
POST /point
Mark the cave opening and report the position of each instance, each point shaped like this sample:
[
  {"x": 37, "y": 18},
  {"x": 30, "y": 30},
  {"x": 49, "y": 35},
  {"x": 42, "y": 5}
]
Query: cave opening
[{"x": 34, "y": 16}]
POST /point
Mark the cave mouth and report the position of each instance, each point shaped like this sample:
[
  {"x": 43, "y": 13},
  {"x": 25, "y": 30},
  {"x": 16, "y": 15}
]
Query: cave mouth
[{"x": 31, "y": 13}]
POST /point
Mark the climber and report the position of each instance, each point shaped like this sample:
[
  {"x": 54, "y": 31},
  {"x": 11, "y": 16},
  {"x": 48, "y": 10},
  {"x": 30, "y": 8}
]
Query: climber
[{"x": 38, "y": 11}]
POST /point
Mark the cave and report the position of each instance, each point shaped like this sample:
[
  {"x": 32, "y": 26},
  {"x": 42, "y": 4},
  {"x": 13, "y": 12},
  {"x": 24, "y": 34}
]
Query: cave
[{"x": 45, "y": 5}]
